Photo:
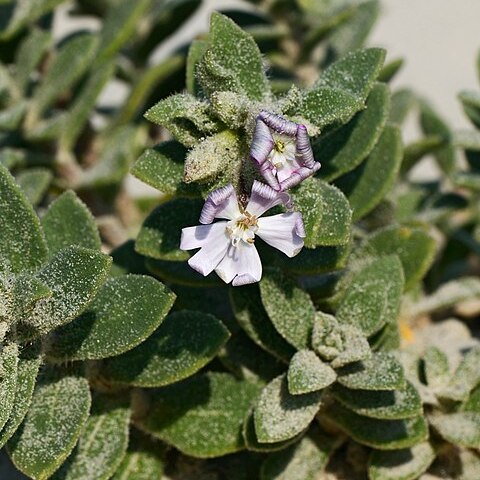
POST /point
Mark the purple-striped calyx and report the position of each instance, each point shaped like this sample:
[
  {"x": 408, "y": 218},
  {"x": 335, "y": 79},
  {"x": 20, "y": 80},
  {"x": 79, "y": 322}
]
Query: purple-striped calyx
[{"x": 282, "y": 151}]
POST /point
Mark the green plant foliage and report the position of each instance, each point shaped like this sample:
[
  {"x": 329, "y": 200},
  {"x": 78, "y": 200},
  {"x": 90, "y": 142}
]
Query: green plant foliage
[
  {"x": 125, "y": 312},
  {"x": 34, "y": 183},
  {"x": 68, "y": 222},
  {"x": 288, "y": 307},
  {"x": 460, "y": 428},
  {"x": 278, "y": 415},
  {"x": 185, "y": 342},
  {"x": 381, "y": 371},
  {"x": 181, "y": 414},
  {"x": 372, "y": 298},
  {"x": 406, "y": 464},
  {"x": 53, "y": 424},
  {"x": 8, "y": 382}
]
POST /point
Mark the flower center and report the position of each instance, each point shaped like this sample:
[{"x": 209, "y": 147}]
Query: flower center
[
  {"x": 279, "y": 146},
  {"x": 242, "y": 228},
  {"x": 283, "y": 151}
]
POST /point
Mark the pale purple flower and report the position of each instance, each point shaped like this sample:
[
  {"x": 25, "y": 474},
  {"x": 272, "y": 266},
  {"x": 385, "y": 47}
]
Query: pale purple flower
[
  {"x": 282, "y": 151},
  {"x": 228, "y": 247}
]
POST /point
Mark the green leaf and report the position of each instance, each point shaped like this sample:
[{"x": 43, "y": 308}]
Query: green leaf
[
  {"x": 187, "y": 118},
  {"x": 372, "y": 298},
  {"x": 471, "y": 105},
  {"x": 325, "y": 211},
  {"x": 120, "y": 24},
  {"x": 29, "y": 55},
  {"x": 27, "y": 369},
  {"x": 195, "y": 53},
  {"x": 72, "y": 60},
  {"x": 402, "y": 102},
  {"x": 11, "y": 118},
  {"x": 414, "y": 246},
  {"x": 305, "y": 460},
  {"x": 143, "y": 460},
  {"x": 214, "y": 156},
  {"x": 34, "y": 183},
  {"x": 406, "y": 464},
  {"x": 448, "y": 295},
  {"x": 252, "y": 317},
  {"x": 324, "y": 106},
  {"x": 468, "y": 180},
  {"x": 465, "y": 378},
  {"x": 367, "y": 185},
  {"x": 162, "y": 168},
  {"x": 307, "y": 373},
  {"x": 467, "y": 139},
  {"x": 159, "y": 236},
  {"x": 379, "y": 434},
  {"x": 74, "y": 275},
  {"x": 345, "y": 148},
  {"x": 437, "y": 368},
  {"x": 390, "y": 70},
  {"x": 461, "y": 428},
  {"x": 126, "y": 311},
  {"x": 278, "y": 415},
  {"x": 432, "y": 124},
  {"x": 382, "y": 371},
  {"x": 353, "y": 33},
  {"x": 22, "y": 244},
  {"x": 53, "y": 424},
  {"x": 81, "y": 109},
  {"x": 8, "y": 380},
  {"x": 354, "y": 73},
  {"x": 233, "y": 55},
  {"x": 185, "y": 342},
  {"x": 202, "y": 416},
  {"x": 384, "y": 405},
  {"x": 68, "y": 222},
  {"x": 289, "y": 308},
  {"x": 103, "y": 442}
]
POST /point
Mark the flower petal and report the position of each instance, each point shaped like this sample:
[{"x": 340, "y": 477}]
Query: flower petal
[
  {"x": 263, "y": 197},
  {"x": 262, "y": 143},
  {"x": 278, "y": 123},
  {"x": 195, "y": 237},
  {"x": 304, "y": 148},
  {"x": 298, "y": 176},
  {"x": 212, "y": 252},
  {"x": 284, "y": 232},
  {"x": 221, "y": 203},
  {"x": 241, "y": 264}
]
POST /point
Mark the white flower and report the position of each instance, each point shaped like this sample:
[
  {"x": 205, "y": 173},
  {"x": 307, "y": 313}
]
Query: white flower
[
  {"x": 282, "y": 151},
  {"x": 228, "y": 246}
]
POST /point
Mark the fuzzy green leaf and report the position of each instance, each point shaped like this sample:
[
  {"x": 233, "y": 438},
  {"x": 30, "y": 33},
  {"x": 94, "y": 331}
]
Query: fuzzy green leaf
[
  {"x": 11, "y": 118},
  {"x": 202, "y": 416},
  {"x": 354, "y": 73},
  {"x": 22, "y": 244},
  {"x": 278, "y": 415},
  {"x": 414, "y": 246},
  {"x": 289, "y": 308},
  {"x": 162, "y": 168},
  {"x": 34, "y": 183},
  {"x": 401, "y": 103},
  {"x": 324, "y": 106},
  {"x": 103, "y": 442},
  {"x": 384, "y": 405},
  {"x": 74, "y": 275},
  {"x": 159, "y": 236},
  {"x": 124, "y": 313},
  {"x": 390, "y": 70},
  {"x": 471, "y": 105},
  {"x": 187, "y": 118},
  {"x": 72, "y": 60},
  {"x": 381, "y": 371},
  {"x": 406, "y": 464},
  {"x": 185, "y": 342},
  {"x": 379, "y": 434},
  {"x": 8, "y": 380},
  {"x": 307, "y": 373},
  {"x": 372, "y": 299},
  {"x": 68, "y": 222},
  {"x": 305, "y": 460},
  {"x": 437, "y": 368},
  {"x": 195, "y": 53},
  {"x": 27, "y": 370},
  {"x": 367, "y": 185},
  {"x": 53, "y": 424},
  {"x": 234, "y": 57},
  {"x": 461, "y": 428},
  {"x": 252, "y": 317},
  {"x": 326, "y": 213},
  {"x": 344, "y": 149}
]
